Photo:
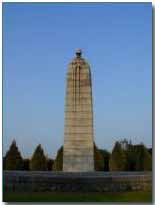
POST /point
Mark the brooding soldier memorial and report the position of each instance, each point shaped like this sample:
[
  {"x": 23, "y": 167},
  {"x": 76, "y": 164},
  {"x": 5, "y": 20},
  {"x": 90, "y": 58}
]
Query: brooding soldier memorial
[
  {"x": 78, "y": 154},
  {"x": 78, "y": 173}
]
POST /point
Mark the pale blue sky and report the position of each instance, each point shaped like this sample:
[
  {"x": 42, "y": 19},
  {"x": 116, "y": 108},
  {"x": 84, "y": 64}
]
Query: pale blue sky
[{"x": 39, "y": 40}]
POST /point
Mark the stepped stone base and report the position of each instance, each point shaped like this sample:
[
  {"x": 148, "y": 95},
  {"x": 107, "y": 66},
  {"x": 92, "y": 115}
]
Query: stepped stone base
[{"x": 76, "y": 181}]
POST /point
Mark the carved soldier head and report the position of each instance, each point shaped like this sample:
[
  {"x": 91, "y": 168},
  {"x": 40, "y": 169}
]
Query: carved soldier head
[{"x": 78, "y": 53}]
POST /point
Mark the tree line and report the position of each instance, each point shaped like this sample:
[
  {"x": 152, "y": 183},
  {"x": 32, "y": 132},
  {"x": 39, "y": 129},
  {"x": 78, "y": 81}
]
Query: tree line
[{"x": 124, "y": 157}]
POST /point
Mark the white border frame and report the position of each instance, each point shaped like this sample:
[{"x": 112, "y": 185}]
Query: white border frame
[{"x": 153, "y": 88}]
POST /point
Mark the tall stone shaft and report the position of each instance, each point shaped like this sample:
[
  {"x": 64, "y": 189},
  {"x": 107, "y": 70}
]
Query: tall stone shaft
[{"x": 78, "y": 154}]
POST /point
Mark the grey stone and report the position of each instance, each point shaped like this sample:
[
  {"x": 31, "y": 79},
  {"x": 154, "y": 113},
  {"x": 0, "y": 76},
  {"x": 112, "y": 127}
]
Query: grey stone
[
  {"x": 75, "y": 181},
  {"x": 78, "y": 154}
]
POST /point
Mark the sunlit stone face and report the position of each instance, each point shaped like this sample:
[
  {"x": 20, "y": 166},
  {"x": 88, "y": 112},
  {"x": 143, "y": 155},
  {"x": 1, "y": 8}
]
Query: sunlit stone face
[{"x": 78, "y": 154}]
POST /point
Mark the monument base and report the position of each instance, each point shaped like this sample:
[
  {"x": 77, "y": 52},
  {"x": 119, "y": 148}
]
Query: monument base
[{"x": 78, "y": 181}]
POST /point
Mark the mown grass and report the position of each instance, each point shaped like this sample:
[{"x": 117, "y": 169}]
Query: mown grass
[{"x": 137, "y": 196}]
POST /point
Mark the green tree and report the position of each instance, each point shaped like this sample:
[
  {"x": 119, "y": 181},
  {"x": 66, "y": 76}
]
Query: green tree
[
  {"x": 26, "y": 164},
  {"x": 131, "y": 158},
  {"x": 13, "y": 158},
  {"x": 58, "y": 162},
  {"x": 4, "y": 163},
  {"x": 143, "y": 158},
  {"x": 98, "y": 159},
  {"x": 118, "y": 158},
  {"x": 50, "y": 163},
  {"x": 38, "y": 160},
  {"x": 106, "y": 157},
  {"x": 128, "y": 149},
  {"x": 150, "y": 151}
]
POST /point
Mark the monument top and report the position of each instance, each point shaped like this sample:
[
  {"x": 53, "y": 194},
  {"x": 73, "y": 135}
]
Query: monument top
[
  {"x": 78, "y": 60},
  {"x": 78, "y": 52}
]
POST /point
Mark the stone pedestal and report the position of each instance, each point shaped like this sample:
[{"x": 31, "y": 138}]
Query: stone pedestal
[
  {"x": 78, "y": 154},
  {"x": 47, "y": 181}
]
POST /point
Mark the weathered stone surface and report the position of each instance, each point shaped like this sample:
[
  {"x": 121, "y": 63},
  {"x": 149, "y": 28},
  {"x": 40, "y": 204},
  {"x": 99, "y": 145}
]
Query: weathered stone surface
[
  {"x": 78, "y": 135},
  {"x": 73, "y": 181}
]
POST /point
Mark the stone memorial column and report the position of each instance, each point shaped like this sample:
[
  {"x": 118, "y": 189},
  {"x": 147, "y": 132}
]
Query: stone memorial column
[{"x": 78, "y": 152}]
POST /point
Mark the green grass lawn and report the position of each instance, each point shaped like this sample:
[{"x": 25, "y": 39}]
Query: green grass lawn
[{"x": 137, "y": 196}]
